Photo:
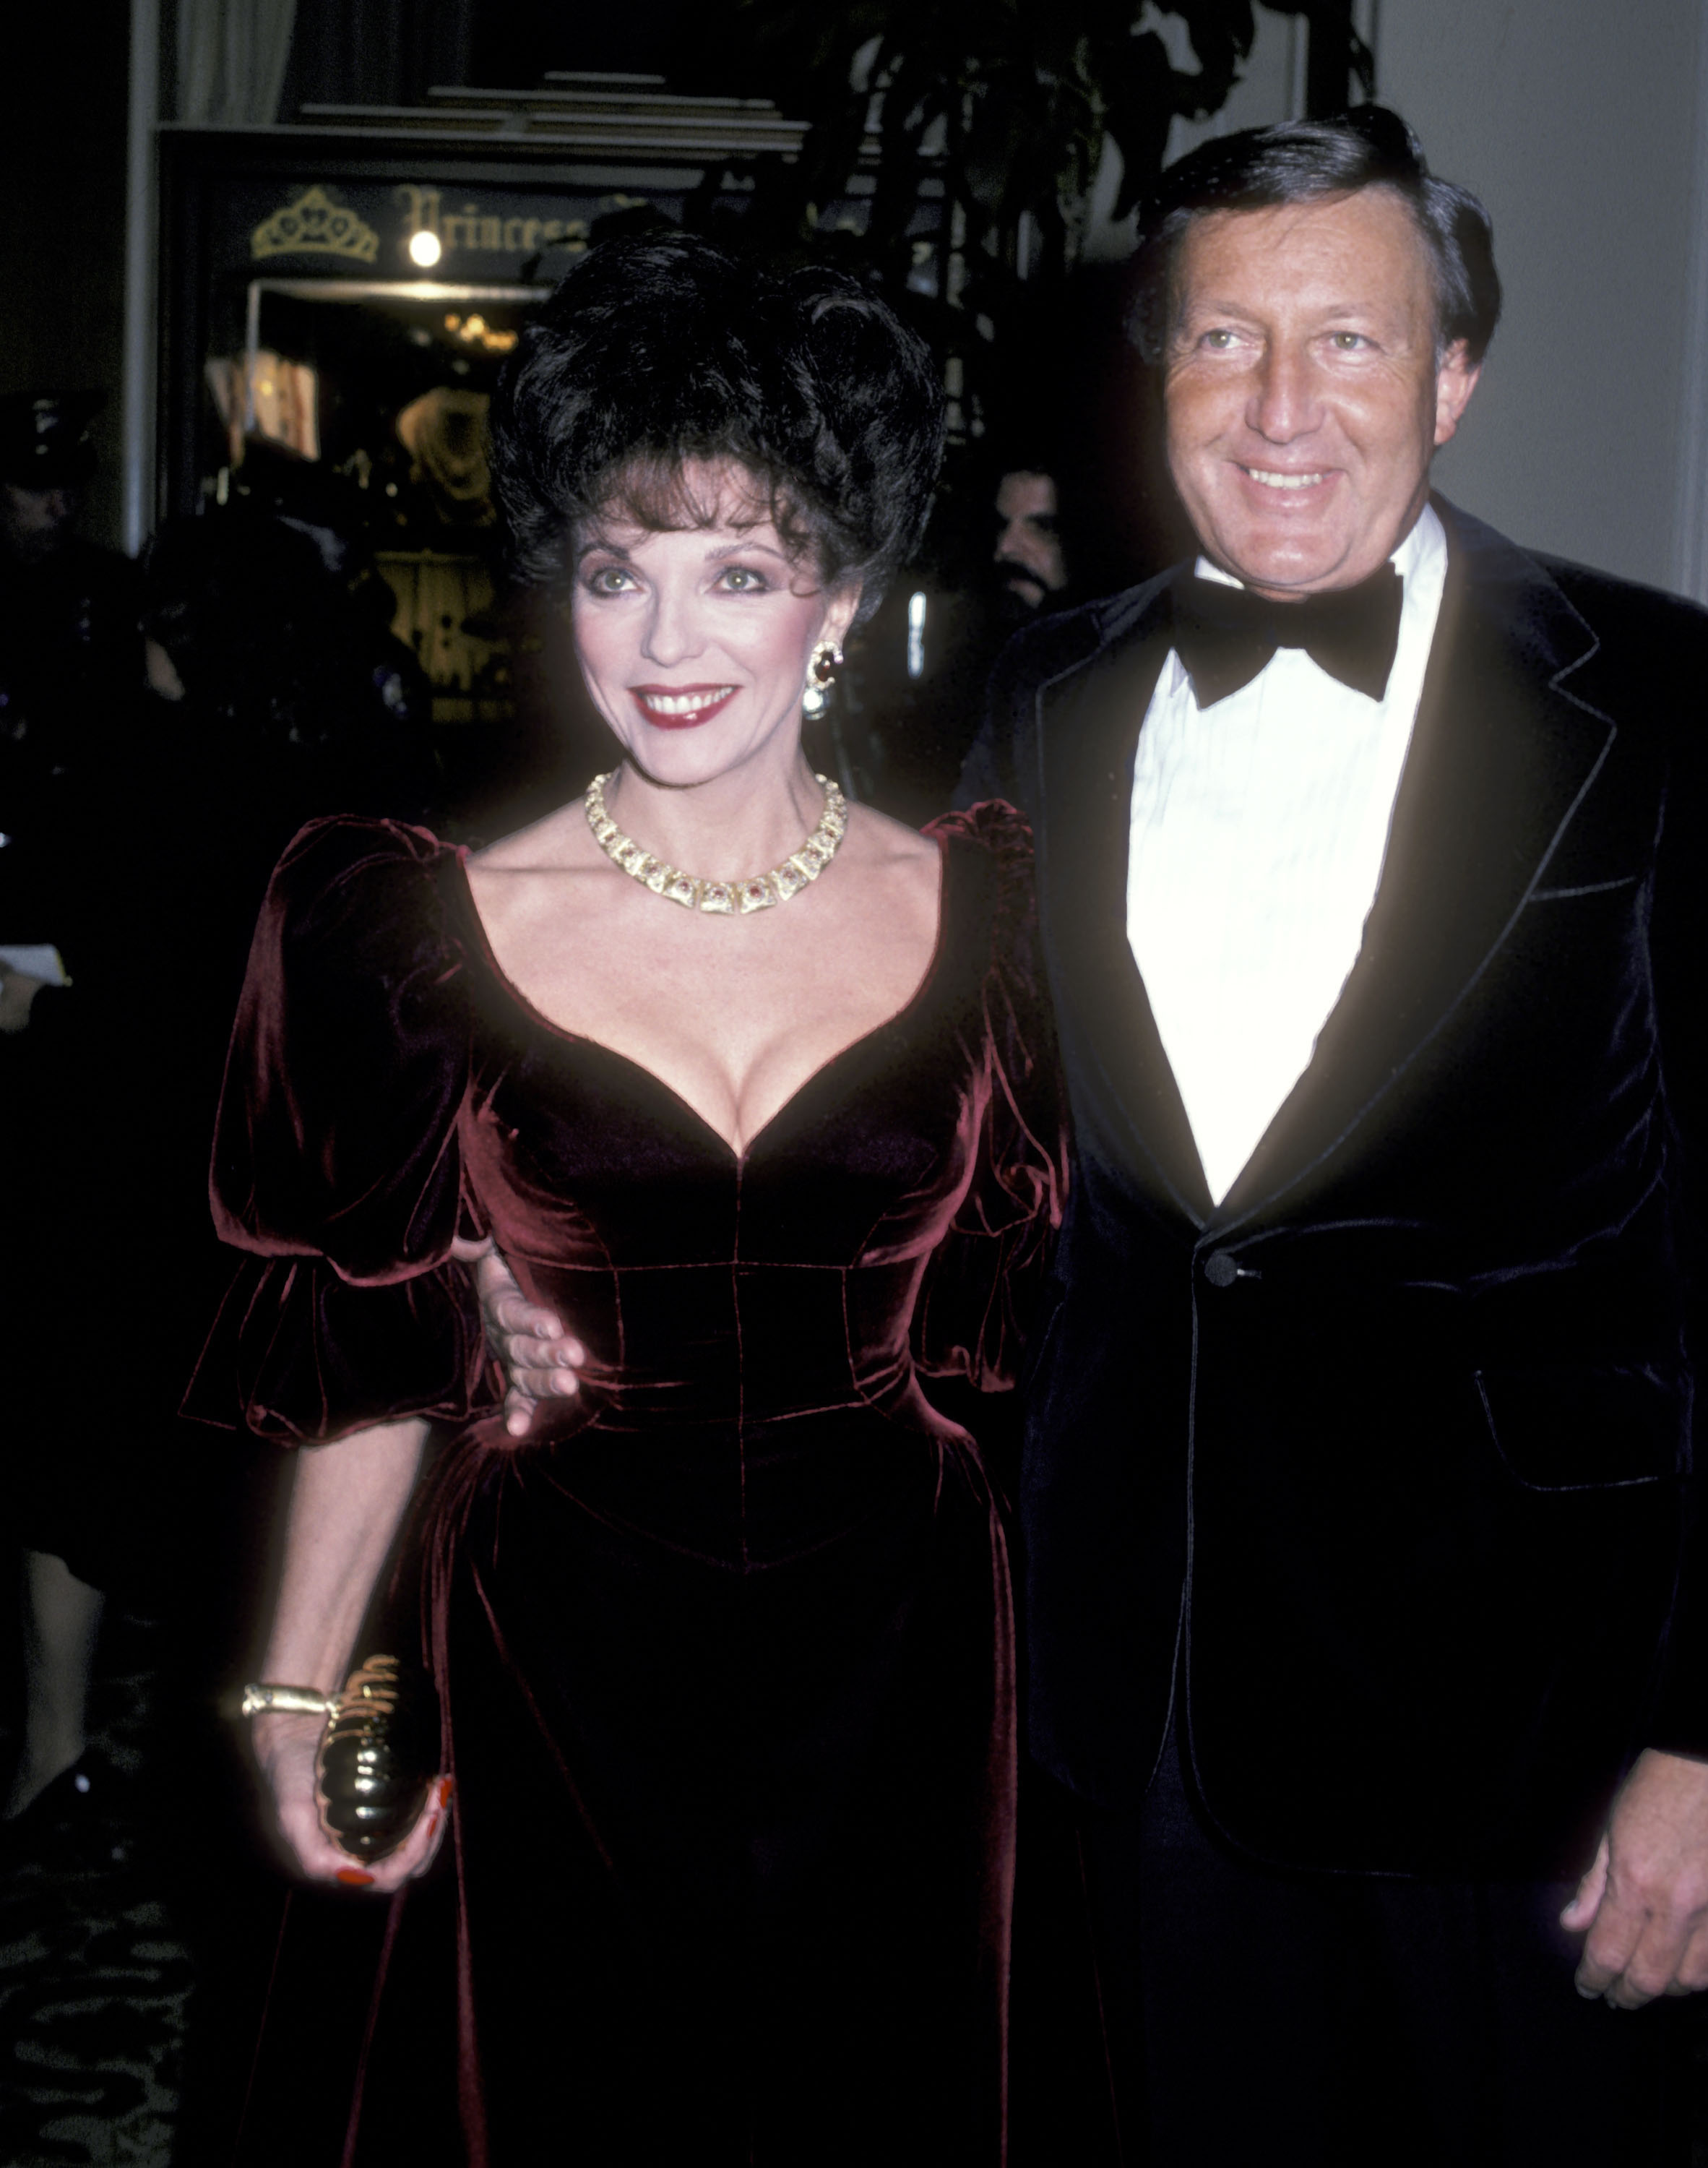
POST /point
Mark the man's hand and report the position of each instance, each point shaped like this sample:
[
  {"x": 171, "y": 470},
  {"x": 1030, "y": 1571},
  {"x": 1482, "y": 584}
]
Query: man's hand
[
  {"x": 540, "y": 1358},
  {"x": 1644, "y": 1901}
]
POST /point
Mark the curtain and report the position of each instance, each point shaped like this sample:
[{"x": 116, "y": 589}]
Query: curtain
[
  {"x": 231, "y": 56},
  {"x": 376, "y": 52}
]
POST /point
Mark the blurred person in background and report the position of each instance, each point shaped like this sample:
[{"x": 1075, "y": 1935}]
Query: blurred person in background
[
  {"x": 1029, "y": 558},
  {"x": 253, "y": 709},
  {"x": 265, "y": 639},
  {"x": 909, "y": 704},
  {"x": 70, "y": 682},
  {"x": 69, "y": 663}
]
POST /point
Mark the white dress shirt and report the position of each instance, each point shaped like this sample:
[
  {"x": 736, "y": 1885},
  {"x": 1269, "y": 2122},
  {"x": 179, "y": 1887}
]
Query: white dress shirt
[{"x": 1258, "y": 830}]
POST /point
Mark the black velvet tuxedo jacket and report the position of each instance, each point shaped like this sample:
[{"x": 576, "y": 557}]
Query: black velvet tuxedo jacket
[{"x": 1381, "y": 1472}]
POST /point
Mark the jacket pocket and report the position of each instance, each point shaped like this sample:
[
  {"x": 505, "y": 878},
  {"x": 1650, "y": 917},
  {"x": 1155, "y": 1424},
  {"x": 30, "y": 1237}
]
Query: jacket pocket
[{"x": 1588, "y": 1429}]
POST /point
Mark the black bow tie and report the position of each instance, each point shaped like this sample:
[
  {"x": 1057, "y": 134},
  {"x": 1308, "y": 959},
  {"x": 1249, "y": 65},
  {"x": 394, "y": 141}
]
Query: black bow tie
[{"x": 1225, "y": 635}]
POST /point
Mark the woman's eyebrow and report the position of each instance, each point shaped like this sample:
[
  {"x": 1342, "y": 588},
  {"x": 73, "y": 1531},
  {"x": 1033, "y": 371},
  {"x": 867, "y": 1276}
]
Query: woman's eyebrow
[{"x": 746, "y": 549}]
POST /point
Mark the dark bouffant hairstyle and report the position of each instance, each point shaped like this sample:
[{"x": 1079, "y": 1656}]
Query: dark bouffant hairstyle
[
  {"x": 658, "y": 350},
  {"x": 1303, "y": 161}
]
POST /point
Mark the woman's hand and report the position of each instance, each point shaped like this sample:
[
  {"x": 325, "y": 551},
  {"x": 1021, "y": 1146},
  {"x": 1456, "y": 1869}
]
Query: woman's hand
[
  {"x": 285, "y": 1748},
  {"x": 539, "y": 1357}
]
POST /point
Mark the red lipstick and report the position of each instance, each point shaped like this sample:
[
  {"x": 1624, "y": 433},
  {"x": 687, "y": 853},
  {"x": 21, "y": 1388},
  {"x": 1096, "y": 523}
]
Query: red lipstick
[{"x": 681, "y": 707}]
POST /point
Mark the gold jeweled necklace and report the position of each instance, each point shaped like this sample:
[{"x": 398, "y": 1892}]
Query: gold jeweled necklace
[{"x": 723, "y": 898}]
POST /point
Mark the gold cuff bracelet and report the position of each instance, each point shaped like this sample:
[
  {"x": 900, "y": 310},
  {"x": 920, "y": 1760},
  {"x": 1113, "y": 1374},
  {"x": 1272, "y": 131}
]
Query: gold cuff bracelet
[{"x": 292, "y": 1701}]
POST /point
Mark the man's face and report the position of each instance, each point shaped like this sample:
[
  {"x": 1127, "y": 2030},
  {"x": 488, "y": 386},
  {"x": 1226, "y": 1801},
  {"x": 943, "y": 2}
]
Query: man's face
[
  {"x": 1303, "y": 394},
  {"x": 34, "y": 523},
  {"x": 1028, "y": 548}
]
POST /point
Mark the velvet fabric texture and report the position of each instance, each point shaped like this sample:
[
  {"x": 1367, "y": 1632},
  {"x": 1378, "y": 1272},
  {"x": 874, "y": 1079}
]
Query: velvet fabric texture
[
  {"x": 1387, "y": 1464},
  {"x": 725, "y": 1648}
]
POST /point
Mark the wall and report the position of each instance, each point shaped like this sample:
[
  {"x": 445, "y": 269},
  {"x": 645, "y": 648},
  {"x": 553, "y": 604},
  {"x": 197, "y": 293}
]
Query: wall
[{"x": 1576, "y": 122}]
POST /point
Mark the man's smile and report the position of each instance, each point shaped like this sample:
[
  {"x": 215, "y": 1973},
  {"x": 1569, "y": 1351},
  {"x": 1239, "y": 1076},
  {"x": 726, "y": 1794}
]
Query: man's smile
[{"x": 1271, "y": 479}]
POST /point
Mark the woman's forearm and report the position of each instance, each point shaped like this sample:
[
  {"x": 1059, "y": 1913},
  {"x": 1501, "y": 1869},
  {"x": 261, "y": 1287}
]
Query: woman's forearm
[{"x": 346, "y": 1506}]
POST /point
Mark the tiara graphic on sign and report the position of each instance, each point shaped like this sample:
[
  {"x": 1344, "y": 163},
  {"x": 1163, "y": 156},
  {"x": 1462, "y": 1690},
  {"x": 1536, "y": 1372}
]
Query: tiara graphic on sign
[{"x": 315, "y": 226}]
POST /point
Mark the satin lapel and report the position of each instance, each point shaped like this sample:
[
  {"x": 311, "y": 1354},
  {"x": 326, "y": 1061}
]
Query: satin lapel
[
  {"x": 1502, "y": 758},
  {"x": 1127, "y": 1108}
]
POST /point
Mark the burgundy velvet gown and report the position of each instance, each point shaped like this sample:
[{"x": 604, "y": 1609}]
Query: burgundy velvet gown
[{"x": 726, "y": 1649}]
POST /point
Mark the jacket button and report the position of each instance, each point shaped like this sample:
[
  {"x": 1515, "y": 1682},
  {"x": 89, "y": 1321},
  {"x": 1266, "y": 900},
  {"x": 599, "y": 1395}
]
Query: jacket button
[{"x": 1220, "y": 1269}]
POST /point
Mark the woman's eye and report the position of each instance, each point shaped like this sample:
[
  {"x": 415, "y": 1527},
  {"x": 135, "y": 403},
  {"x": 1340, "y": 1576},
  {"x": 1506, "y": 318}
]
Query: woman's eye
[
  {"x": 743, "y": 580},
  {"x": 609, "y": 580}
]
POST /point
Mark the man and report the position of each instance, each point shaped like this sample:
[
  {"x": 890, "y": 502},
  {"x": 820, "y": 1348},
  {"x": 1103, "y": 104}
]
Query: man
[
  {"x": 1363, "y": 1592},
  {"x": 1356, "y": 1505},
  {"x": 1028, "y": 554}
]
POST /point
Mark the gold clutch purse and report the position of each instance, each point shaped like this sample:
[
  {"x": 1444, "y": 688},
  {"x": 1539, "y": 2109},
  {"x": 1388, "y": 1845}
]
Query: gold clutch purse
[
  {"x": 375, "y": 1761},
  {"x": 376, "y": 1756}
]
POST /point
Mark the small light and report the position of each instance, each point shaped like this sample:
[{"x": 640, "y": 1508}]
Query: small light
[
  {"x": 916, "y": 635},
  {"x": 424, "y": 249}
]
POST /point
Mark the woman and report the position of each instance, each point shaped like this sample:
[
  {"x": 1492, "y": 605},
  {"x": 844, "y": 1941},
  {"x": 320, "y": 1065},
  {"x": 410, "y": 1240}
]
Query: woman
[{"x": 724, "y": 1648}]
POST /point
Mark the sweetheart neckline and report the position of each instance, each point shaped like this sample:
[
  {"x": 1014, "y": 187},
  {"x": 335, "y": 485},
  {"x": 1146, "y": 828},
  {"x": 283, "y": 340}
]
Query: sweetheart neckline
[{"x": 740, "y": 1158}]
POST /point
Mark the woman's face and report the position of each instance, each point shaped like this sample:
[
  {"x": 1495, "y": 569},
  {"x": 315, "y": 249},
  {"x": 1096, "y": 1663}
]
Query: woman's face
[{"x": 695, "y": 642}]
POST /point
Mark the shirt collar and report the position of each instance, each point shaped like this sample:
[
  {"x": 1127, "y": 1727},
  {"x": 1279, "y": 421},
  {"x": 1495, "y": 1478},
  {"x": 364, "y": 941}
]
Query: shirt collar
[{"x": 1420, "y": 560}]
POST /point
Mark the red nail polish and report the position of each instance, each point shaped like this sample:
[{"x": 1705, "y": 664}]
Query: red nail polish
[
  {"x": 353, "y": 1878},
  {"x": 447, "y": 1786}
]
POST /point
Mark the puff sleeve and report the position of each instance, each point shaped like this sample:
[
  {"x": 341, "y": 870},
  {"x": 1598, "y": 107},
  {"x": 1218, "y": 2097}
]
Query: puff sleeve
[
  {"x": 983, "y": 1289},
  {"x": 335, "y": 1165}
]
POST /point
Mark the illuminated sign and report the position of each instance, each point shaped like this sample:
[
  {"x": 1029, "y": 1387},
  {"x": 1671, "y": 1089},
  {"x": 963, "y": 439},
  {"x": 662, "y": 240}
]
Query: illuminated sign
[
  {"x": 490, "y": 233},
  {"x": 315, "y": 225}
]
